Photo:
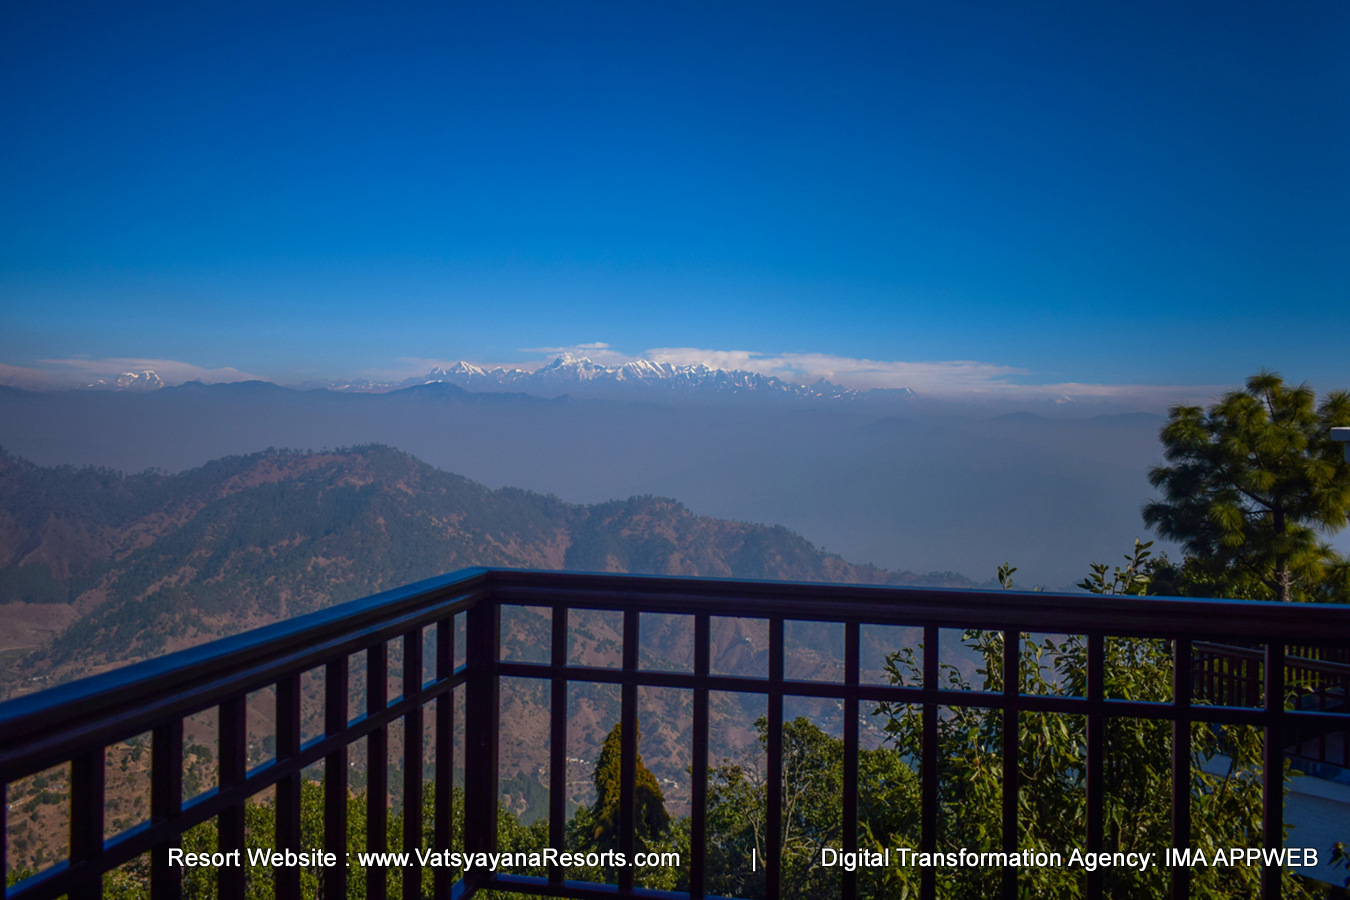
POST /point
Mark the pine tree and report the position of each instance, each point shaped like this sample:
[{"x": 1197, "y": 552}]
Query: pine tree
[
  {"x": 1249, "y": 485},
  {"x": 651, "y": 817}
]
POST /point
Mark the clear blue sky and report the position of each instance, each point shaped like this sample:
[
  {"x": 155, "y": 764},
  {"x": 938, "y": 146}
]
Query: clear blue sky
[{"x": 1090, "y": 192}]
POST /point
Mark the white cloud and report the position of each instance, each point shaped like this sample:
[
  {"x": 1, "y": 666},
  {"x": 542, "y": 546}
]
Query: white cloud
[
  {"x": 80, "y": 370},
  {"x": 925, "y": 377},
  {"x": 939, "y": 379},
  {"x": 596, "y": 352},
  {"x": 21, "y": 377},
  {"x": 948, "y": 380}
]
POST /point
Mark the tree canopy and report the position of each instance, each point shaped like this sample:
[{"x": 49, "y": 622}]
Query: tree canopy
[
  {"x": 1250, "y": 486},
  {"x": 652, "y": 820}
]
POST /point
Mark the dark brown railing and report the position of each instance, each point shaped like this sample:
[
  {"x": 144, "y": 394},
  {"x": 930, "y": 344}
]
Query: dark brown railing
[
  {"x": 1235, "y": 676},
  {"x": 75, "y": 724}
]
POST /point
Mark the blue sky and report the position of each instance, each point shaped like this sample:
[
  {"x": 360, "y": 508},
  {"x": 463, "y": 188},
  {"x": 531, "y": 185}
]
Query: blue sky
[{"x": 1102, "y": 194}]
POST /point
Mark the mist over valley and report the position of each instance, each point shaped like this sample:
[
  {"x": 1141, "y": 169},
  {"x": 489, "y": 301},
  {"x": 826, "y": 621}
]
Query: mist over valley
[{"x": 885, "y": 480}]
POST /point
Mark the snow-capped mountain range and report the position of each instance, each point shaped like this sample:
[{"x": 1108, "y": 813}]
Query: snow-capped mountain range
[
  {"x": 579, "y": 376},
  {"x": 567, "y": 374},
  {"x": 144, "y": 380}
]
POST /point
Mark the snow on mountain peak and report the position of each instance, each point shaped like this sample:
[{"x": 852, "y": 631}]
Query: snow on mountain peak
[
  {"x": 144, "y": 380},
  {"x": 461, "y": 368},
  {"x": 581, "y": 375}
]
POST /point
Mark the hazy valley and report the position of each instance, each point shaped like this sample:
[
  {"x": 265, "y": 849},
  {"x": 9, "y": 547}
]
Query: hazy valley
[{"x": 884, "y": 479}]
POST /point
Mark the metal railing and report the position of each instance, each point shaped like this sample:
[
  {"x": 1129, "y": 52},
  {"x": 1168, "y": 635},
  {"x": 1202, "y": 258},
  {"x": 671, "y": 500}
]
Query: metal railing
[
  {"x": 1234, "y": 676},
  {"x": 76, "y": 723}
]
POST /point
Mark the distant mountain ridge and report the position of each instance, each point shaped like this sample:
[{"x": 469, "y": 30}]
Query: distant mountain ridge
[
  {"x": 572, "y": 375},
  {"x": 144, "y": 380},
  {"x": 99, "y": 568},
  {"x": 567, "y": 373}
]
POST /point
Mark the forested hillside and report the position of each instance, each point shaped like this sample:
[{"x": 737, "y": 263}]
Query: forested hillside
[{"x": 99, "y": 568}]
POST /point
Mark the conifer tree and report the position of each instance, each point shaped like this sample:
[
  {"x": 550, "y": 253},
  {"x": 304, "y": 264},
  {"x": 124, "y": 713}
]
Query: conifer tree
[
  {"x": 1250, "y": 483},
  {"x": 651, "y": 817}
]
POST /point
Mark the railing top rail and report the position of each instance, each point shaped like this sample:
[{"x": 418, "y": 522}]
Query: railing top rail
[
  {"x": 127, "y": 697},
  {"x": 1158, "y": 617},
  {"x": 130, "y": 698}
]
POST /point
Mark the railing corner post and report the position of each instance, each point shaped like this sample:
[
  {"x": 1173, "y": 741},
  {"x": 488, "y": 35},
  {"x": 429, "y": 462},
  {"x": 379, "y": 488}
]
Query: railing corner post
[{"x": 482, "y": 640}]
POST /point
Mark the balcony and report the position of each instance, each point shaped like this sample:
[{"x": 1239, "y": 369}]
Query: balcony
[{"x": 1276, "y": 667}]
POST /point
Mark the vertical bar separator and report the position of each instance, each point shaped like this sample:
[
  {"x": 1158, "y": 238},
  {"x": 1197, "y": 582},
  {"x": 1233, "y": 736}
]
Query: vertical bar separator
[
  {"x": 698, "y": 814},
  {"x": 1182, "y": 685},
  {"x": 1012, "y": 681},
  {"x": 1096, "y": 759},
  {"x": 773, "y": 825},
  {"x": 481, "y": 713},
  {"x": 335, "y": 775},
  {"x": 4, "y": 839},
  {"x": 1272, "y": 772},
  {"x": 445, "y": 754},
  {"x": 557, "y": 750},
  {"x": 377, "y": 768},
  {"x": 928, "y": 766},
  {"x": 413, "y": 744},
  {"x": 86, "y": 819},
  {"x": 233, "y": 770},
  {"x": 287, "y": 878},
  {"x": 850, "y": 799},
  {"x": 628, "y": 744},
  {"x": 166, "y": 802}
]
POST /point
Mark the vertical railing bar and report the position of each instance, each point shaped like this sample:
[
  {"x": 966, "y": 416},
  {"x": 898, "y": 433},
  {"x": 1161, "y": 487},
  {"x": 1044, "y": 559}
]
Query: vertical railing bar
[
  {"x": 1272, "y": 774},
  {"x": 481, "y": 717},
  {"x": 1182, "y": 685},
  {"x": 1321, "y": 707},
  {"x": 86, "y": 818},
  {"x": 698, "y": 793},
  {"x": 1012, "y": 682},
  {"x": 1096, "y": 758},
  {"x": 4, "y": 839},
  {"x": 233, "y": 733},
  {"x": 287, "y": 878},
  {"x": 1253, "y": 682},
  {"x": 377, "y": 768},
  {"x": 335, "y": 774},
  {"x": 1214, "y": 673},
  {"x": 928, "y": 766},
  {"x": 557, "y": 755},
  {"x": 445, "y": 754},
  {"x": 773, "y": 825},
  {"x": 413, "y": 748},
  {"x": 628, "y": 746},
  {"x": 1228, "y": 682},
  {"x": 850, "y": 798},
  {"x": 166, "y": 803},
  {"x": 1206, "y": 680}
]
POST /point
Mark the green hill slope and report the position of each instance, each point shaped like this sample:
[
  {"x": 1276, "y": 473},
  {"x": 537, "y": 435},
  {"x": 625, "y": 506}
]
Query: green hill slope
[{"x": 98, "y": 568}]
